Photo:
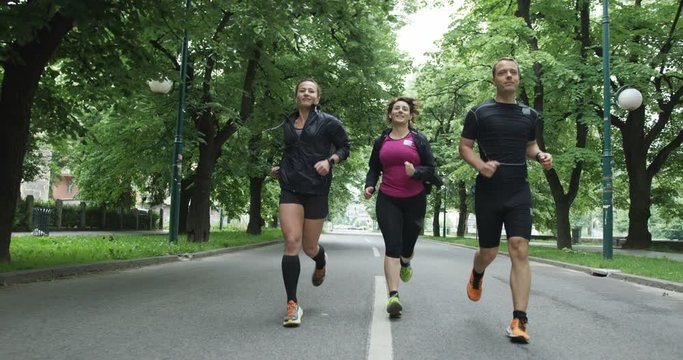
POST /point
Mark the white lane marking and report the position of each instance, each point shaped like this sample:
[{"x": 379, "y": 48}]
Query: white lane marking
[
  {"x": 375, "y": 250},
  {"x": 381, "y": 347}
]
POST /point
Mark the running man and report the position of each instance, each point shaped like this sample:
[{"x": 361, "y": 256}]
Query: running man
[{"x": 506, "y": 134}]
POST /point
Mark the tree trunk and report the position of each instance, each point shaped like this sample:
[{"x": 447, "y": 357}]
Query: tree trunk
[
  {"x": 186, "y": 191},
  {"x": 256, "y": 221},
  {"x": 21, "y": 75},
  {"x": 198, "y": 226},
  {"x": 639, "y": 236},
  {"x": 463, "y": 214},
  {"x": 564, "y": 236},
  {"x": 640, "y": 183},
  {"x": 436, "y": 225}
]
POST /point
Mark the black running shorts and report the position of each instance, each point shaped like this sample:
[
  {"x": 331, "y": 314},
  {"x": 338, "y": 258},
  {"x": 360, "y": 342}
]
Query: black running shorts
[
  {"x": 497, "y": 204},
  {"x": 315, "y": 206}
]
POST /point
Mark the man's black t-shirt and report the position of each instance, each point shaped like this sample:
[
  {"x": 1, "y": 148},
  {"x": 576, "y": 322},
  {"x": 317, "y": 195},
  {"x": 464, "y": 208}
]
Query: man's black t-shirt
[{"x": 502, "y": 132}]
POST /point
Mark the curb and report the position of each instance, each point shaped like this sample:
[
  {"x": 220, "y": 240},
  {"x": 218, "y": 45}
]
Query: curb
[
  {"x": 652, "y": 282},
  {"x": 641, "y": 280},
  {"x": 54, "y": 273}
]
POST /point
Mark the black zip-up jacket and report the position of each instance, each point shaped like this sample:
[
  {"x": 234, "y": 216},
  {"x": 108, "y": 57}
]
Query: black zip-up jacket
[
  {"x": 322, "y": 136},
  {"x": 425, "y": 172}
]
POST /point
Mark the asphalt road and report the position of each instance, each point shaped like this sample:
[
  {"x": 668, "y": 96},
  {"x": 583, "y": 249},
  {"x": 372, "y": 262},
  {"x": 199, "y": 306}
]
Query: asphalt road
[{"x": 231, "y": 306}]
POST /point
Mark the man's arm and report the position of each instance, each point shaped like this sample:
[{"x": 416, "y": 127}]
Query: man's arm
[
  {"x": 533, "y": 152},
  {"x": 466, "y": 149}
]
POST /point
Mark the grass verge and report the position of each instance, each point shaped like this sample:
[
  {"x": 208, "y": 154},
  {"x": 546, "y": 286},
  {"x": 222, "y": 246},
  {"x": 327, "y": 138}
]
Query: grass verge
[
  {"x": 658, "y": 268},
  {"x": 30, "y": 252}
]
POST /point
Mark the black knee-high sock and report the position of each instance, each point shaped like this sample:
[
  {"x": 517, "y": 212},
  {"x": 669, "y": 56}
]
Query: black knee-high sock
[
  {"x": 291, "y": 267},
  {"x": 320, "y": 258}
]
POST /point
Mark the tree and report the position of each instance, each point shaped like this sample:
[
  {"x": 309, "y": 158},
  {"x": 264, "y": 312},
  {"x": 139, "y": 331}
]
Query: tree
[
  {"x": 560, "y": 77},
  {"x": 349, "y": 53},
  {"x": 444, "y": 105},
  {"x": 35, "y": 31},
  {"x": 647, "y": 53},
  {"x": 243, "y": 67},
  {"x": 581, "y": 40}
]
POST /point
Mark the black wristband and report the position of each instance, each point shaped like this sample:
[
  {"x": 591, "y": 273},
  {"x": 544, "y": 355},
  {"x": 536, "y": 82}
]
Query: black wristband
[{"x": 331, "y": 161}]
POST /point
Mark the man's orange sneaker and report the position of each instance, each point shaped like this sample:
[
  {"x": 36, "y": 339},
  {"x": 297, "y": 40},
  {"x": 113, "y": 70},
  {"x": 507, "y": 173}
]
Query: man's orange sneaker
[
  {"x": 474, "y": 288},
  {"x": 517, "y": 331}
]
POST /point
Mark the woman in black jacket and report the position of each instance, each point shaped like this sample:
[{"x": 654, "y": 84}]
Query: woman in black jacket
[
  {"x": 314, "y": 142},
  {"x": 402, "y": 156}
]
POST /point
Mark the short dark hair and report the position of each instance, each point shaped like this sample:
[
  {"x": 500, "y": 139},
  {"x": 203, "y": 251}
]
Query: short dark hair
[
  {"x": 412, "y": 104},
  {"x": 493, "y": 68}
]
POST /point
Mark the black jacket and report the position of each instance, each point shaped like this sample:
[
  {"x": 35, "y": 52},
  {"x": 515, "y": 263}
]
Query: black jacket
[
  {"x": 425, "y": 172},
  {"x": 322, "y": 136}
]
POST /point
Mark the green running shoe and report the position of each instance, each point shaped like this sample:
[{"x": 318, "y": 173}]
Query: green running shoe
[
  {"x": 406, "y": 273},
  {"x": 394, "y": 307}
]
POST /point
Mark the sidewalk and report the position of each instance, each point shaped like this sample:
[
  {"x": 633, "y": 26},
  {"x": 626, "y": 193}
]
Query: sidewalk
[
  {"x": 651, "y": 282},
  {"x": 662, "y": 284},
  {"x": 598, "y": 248},
  {"x": 95, "y": 233}
]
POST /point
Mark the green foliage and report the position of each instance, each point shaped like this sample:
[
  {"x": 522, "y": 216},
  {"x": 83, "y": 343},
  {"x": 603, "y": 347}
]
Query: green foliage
[
  {"x": 665, "y": 222},
  {"x": 347, "y": 46},
  {"x": 20, "y": 216},
  {"x": 457, "y": 77},
  {"x": 89, "y": 68},
  {"x": 94, "y": 109},
  {"x": 121, "y": 153}
]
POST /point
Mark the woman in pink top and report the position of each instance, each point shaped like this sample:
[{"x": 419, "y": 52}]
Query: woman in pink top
[{"x": 404, "y": 160}]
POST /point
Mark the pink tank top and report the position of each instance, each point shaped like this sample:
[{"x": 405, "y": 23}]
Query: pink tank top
[{"x": 393, "y": 155}]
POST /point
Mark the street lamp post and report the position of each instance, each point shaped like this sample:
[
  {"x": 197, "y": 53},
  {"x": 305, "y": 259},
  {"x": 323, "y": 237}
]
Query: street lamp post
[
  {"x": 444, "y": 212},
  {"x": 445, "y": 190},
  {"x": 164, "y": 87},
  {"x": 178, "y": 144},
  {"x": 629, "y": 99},
  {"x": 607, "y": 211}
]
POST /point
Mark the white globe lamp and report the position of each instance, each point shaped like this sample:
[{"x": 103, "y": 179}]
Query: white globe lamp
[
  {"x": 629, "y": 98},
  {"x": 160, "y": 86}
]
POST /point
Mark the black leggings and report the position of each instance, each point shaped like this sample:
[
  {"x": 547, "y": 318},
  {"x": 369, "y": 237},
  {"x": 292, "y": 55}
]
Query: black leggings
[{"x": 400, "y": 220}]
